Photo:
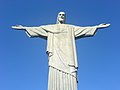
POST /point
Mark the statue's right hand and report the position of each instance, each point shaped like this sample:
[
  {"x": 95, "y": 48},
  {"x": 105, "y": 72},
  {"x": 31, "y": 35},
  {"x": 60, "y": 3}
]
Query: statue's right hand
[{"x": 18, "y": 27}]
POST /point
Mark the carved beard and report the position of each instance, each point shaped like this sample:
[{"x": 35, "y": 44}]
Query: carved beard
[{"x": 61, "y": 20}]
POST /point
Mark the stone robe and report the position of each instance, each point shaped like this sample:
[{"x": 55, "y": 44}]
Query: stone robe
[{"x": 61, "y": 51}]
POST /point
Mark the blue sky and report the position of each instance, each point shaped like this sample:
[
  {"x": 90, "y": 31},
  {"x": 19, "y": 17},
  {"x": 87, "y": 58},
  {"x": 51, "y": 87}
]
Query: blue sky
[{"x": 23, "y": 61}]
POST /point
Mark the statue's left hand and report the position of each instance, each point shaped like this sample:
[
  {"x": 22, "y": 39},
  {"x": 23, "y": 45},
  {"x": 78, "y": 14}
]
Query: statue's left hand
[{"x": 103, "y": 25}]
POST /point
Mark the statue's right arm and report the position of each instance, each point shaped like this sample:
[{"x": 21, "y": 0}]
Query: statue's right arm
[
  {"x": 19, "y": 27},
  {"x": 32, "y": 31}
]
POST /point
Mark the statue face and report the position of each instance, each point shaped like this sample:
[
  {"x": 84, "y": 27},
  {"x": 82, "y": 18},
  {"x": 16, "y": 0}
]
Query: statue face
[{"x": 61, "y": 17}]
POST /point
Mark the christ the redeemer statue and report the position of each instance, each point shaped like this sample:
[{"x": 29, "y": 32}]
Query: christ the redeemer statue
[{"x": 61, "y": 50}]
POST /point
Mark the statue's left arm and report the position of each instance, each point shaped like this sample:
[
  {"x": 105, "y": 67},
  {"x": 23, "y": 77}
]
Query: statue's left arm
[{"x": 81, "y": 32}]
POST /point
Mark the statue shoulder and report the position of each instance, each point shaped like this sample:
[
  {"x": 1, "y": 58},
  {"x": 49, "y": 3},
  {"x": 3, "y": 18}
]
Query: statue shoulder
[
  {"x": 49, "y": 25},
  {"x": 75, "y": 26}
]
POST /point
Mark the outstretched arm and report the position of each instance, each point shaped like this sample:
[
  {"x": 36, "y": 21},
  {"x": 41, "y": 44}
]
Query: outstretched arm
[
  {"x": 19, "y": 27},
  {"x": 81, "y": 32},
  {"x": 32, "y": 31},
  {"x": 104, "y": 25}
]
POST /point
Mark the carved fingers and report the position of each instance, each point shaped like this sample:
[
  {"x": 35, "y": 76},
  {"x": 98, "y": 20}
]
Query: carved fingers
[
  {"x": 18, "y": 27},
  {"x": 103, "y": 25}
]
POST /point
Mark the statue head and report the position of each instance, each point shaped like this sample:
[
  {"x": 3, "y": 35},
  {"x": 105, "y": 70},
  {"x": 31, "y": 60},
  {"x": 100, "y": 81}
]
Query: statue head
[{"x": 61, "y": 18}]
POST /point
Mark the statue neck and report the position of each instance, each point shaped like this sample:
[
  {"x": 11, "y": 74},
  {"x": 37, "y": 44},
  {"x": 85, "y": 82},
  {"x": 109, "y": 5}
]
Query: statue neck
[{"x": 60, "y": 22}]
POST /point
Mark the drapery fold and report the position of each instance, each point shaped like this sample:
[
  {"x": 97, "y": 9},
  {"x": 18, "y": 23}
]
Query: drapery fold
[{"x": 59, "y": 80}]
